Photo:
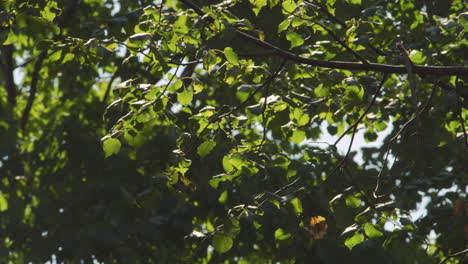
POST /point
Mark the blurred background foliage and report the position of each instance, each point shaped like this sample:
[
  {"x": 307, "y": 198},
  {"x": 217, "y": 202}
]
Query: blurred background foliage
[{"x": 151, "y": 132}]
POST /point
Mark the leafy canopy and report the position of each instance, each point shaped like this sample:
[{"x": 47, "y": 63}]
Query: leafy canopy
[{"x": 190, "y": 131}]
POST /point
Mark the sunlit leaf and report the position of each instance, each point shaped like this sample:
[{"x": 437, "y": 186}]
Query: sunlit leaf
[
  {"x": 295, "y": 39},
  {"x": 288, "y": 6},
  {"x": 185, "y": 97},
  {"x": 231, "y": 56},
  {"x": 297, "y": 205},
  {"x": 298, "y": 136},
  {"x": 222, "y": 243},
  {"x": 205, "y": 148},
  {"x": 281, "y": 234},
  {"x": 371, "y": 231},
  {"x": 111, "y": 146},
  {"x": 223, "y": 197},
  {"x": 417, "y": 57},
  {"x": 352, "y": 201},
  {"x": 258, "y": 3},
  {"x": 284, "y": 25},
  {"x": 3, "y": 203},
  {"x": 354, "y": 240},
  {"x": 354, "y": 2}
]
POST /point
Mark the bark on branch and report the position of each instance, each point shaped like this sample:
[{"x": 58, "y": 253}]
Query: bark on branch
[
  {"x": 7, "y": 69},
  {"x": 354, "y": 66},
  {"x": 32, "y": 90}
]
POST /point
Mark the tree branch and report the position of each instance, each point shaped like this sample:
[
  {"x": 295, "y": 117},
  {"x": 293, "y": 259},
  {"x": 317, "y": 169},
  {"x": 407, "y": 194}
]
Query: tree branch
[
  {"x": 32, "y": 90},
  {"x": 334, "y": 37},
  {"x": 412, "y": 83},
  {"x": 325, "y": 11},
  {"x": 354, "y": 66},
  {"x": 460, "y": 112},
  {"x": 7, "y": 68},
  {"x": 461, "y": 253}
]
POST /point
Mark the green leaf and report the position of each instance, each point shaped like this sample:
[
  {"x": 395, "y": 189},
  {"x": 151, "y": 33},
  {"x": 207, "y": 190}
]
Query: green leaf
[
  {"x": 289, "y": 6},
  {"x": 11, "y": 38},
  {"x": 354, "y": 93},
  {"x": 222, "y": 243},
  {"x": 380, "y": 126},
  {"x": 370, "y": 136},
  {"x": 295, "y": 39},
  {"x": 180, "y": 25},
  {"x": 371, "y": 231},
  {"x": 281, "y": 234},
  {"x": 175, "y": 86},
  {"x": 237, "y": 161},
  {"x": 354, "y": 2},
  {"x": 273, "y": 3},
  {"x": 231, "y": 56},
  {"x": 227, "y": 166},
  {"x": 3, "y": 203},
  {"x": 352, "y": 201},
  {"x": 322, "y": 90},
  {"x": 55, "y": 55},
  {"x": 298, "y": 136},
  {"x": 297, "y": 205},
  {"x": 50, "y": 11},
  {"x": 258, "y": 3},
  {"x": 284, "y": 25},
  {"x": 205, "y": 148},
  {"x": 417, "y": 57},
  {"x": 185, "y": 97},
  {"x": 197, "y": 87},
  {"x": 354, "y": 240},
  {"x": 68, "y": 57},
  {"x": 301, "y": 118},
  {"x": 223, "y": 197},
  {"x": 111, "y": 146}
]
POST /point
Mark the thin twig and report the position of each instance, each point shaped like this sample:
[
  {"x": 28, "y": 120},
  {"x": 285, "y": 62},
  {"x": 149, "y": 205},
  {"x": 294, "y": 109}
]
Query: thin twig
[
  {"x": 342, "y": 43},
  {"x": 412, "y": 83},
  {"x": 344, "y": 160},
  {"x": 357, "y": 185},
  {"x": 31, "y": 59},
  {"x": 287, "y": 185},
  {"x": 461, "y": 253},
  {"x": 460, "y": 113},
  {"x": 343, "y": 25},
  {"x": 334, "y": 36},
  {"x": 265, "y": 53},
  {"x": 325, "y": 11},
  {"x": 387, "y": 152},
  {"x": 376, "y": 67},
  {"x": 266, "y": 83},
  {"x": 109, "y": 86},
  {"x": 264, "y": 117},
  {"x": 377, "y": 92}
]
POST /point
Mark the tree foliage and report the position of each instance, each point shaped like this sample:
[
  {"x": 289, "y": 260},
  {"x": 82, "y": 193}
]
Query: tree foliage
[{"x": 188, "y": 131}]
